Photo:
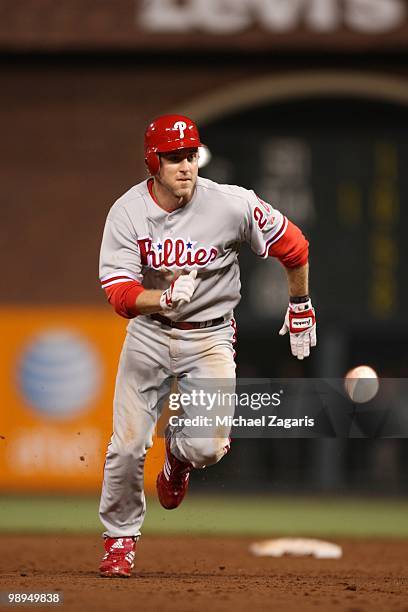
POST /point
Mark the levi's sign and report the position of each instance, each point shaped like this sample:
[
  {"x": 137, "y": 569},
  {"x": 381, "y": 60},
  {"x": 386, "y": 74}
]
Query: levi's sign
[
  {"x": 235, "y": 16},
  {"x": 233, "y": 25}
]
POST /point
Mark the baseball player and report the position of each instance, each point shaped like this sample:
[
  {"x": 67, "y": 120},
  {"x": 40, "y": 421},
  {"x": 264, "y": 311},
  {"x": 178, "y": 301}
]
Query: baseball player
[{"x": 169, "y": 263}]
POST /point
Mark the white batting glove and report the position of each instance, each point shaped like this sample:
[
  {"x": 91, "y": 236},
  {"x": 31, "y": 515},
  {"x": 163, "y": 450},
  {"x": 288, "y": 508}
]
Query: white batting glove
[
  {"x": 180, "y": 292},
  {"x": 300, "y": 322}
]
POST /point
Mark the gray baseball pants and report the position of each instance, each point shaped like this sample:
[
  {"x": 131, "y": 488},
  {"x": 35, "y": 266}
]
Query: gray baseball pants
[{"x": 152, "y": 355}]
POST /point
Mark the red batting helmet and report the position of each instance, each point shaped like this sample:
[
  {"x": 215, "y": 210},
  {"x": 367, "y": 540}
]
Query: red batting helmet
[{"x": 168, "y": 133}]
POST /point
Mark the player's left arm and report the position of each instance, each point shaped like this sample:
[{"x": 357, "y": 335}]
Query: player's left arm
[
  {"x": 271, "y": 234},
  {"x": 300, "y": 319},
  {"x": 292, "y": 250},
  {"x": 298, "y": 280}
]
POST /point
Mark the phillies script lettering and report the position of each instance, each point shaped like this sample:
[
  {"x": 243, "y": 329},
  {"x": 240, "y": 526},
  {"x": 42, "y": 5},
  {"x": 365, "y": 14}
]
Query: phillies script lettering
[{"x": 174, "y": 253}]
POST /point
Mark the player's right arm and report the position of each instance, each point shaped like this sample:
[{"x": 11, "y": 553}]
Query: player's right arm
[
  {"x": 121, "y": 273},
  {"x": 130, "y": 298},
  {"x": 120, "y": 267}
]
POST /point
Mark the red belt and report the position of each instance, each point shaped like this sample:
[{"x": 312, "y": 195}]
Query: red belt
[{"x": 187, "y": 324}]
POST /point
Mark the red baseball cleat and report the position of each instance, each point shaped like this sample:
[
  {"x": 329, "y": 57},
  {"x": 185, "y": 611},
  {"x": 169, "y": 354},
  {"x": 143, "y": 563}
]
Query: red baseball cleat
[
  {"x": 118, "y": 558},
  {"x": 172, "y": 482}
]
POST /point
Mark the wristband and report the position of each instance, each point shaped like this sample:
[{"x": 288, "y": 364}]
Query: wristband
[{"x": 299, "y": 299}]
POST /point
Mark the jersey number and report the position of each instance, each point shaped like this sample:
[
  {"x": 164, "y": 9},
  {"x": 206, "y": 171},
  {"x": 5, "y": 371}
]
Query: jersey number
[{"x": 260, "y": 218}]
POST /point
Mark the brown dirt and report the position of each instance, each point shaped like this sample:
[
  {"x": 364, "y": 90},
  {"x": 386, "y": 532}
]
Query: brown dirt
[{"x": 218, "y": 574}]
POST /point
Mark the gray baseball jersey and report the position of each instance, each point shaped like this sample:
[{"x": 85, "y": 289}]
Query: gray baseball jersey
[{"x": 143, "y": 242}]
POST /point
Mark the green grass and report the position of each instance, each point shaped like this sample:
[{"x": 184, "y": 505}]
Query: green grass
[{"x": 249, "y": 515}]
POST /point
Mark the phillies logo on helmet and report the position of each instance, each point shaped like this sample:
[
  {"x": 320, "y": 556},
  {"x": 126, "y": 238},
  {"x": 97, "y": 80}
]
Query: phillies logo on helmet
[
  {"x": 174, "y": 253},
  {"x": 181, "y": 126}
]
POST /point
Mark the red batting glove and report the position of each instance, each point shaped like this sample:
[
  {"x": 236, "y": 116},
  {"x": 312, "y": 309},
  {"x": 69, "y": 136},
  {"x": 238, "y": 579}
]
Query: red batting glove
[
  {"x": 180, "y": 292},
  {"x": 300, "y": 322}
]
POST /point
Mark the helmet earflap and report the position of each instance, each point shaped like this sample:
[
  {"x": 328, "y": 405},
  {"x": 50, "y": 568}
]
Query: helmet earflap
[{"x": 153, "y": 162}]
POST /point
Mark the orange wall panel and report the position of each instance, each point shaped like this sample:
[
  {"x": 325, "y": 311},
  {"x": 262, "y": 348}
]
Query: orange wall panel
[{"x": 57, "y": 375}]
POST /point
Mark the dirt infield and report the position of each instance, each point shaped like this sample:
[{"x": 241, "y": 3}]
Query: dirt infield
[{"x": 217, "y": 574}]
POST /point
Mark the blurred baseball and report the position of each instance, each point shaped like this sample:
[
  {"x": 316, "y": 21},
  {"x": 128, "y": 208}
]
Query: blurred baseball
[{"x": 361, "y": 384}]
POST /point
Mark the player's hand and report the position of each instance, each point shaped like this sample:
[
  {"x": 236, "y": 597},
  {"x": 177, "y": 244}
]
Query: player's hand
[
  {"x": 300, "y": 322},
  {"x": 180, "y": 291}
]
